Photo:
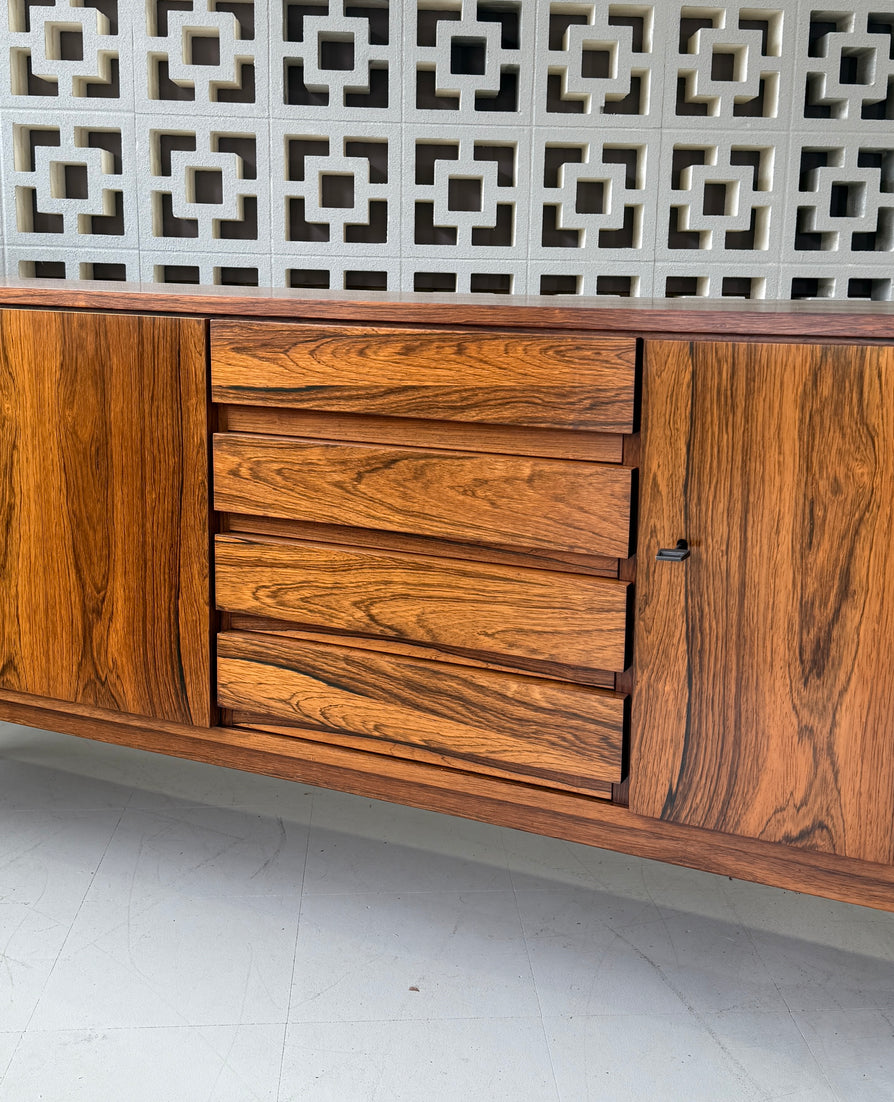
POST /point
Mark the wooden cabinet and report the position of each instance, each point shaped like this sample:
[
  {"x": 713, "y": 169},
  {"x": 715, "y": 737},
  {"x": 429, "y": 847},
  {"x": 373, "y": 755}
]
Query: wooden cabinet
[
  {"x": 433, "y": 538},
  {"x": 765, "y": 698},
  {"x": 103, "y": 492},
  {"x": 362, "y": 616}
]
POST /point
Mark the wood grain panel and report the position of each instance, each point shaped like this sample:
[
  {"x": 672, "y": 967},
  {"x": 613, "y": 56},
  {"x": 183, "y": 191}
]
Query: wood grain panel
[
  {"x": 532, "y": 726},
  {"x": 765, "y": 697},
  {"x": 500, "y": 612},
  {"x": 576, "y": 381},
  {"x": 510, "y": 500},
  {"x": 104, "y": 577},
  {"x": 600, "y": 447}
]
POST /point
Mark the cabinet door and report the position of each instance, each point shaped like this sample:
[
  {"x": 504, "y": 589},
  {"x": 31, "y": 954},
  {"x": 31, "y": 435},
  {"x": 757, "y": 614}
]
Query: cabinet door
[
  {"x": 104, "y": 594},
  {"x": 764, "y": 704}
]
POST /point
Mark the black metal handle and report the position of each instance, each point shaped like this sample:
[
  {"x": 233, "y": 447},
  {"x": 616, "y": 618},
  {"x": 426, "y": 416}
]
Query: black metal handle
[{"x": 674, "y": 554}]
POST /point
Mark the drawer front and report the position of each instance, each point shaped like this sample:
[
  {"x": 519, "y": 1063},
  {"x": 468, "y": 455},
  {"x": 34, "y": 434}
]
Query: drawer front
[
  {"x": 498, "y": 611},
  {"x": 565, "y": 380},
  {"x": 544, "y": 729},
  {"x": 491, "y": 499}
]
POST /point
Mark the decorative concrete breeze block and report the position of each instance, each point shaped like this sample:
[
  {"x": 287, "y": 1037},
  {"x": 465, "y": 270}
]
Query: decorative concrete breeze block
[{"x": 741, "y": 149}]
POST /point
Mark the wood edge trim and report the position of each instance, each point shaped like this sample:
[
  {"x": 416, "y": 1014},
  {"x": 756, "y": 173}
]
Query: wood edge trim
[
  {"x": 225, "y": 329},
  {"x": 505, "y": 803},
  {"x": 711, "y": 319},
  {"x": 374, "y": 428},
  {"x": 399, "y": 753}
]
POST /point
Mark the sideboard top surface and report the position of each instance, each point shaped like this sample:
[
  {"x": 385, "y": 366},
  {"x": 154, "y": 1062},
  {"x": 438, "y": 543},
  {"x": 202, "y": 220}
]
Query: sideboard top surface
[{"x": 811, "y": 320}]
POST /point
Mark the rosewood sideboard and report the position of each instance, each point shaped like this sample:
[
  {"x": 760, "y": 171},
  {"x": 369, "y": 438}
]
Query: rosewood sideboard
[{"x": 617, "y": 573}]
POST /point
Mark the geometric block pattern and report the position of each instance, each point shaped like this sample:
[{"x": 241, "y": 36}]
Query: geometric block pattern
[
  {"x": 342, "y": 61},
  {"x": 207, "y": 53},
  {"x": 739, "y": 149},
  {"x": 729, "y": 63},
  {"x": 850, "y": 72},
  {"x": 206, "y": 184},
  {"x": 59, "y": 51}
]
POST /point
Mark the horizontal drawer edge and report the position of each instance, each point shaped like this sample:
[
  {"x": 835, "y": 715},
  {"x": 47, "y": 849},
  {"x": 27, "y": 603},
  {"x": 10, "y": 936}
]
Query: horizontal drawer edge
[
  {"x": 502, "y": 612},
  {"x": 502, "y": 377},
  {"x": 530, "y": 726},
  {"x": 528, "y": 502}
]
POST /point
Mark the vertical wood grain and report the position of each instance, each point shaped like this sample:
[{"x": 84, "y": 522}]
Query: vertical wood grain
[
  {"x": 104, "y": 590},
  {"x": 765, "y": 697}
]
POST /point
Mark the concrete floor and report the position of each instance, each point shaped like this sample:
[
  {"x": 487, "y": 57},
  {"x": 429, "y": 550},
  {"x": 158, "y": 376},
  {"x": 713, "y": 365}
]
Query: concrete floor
[{"x": 175, "y": 932}]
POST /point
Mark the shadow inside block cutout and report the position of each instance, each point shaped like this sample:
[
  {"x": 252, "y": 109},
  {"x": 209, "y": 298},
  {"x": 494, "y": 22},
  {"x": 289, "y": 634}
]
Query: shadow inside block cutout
[
  {"x": 111, "y": 223},
  {"x": 172, "y": 226},
  {"x": 365, "y": 281},
  {"x": 42, "y": 269},
  {"x": 502, "y": 234},
  {"x": 207, "y": 186},
  {"x": 203, "y": 49},
  {"x": 434, "y": 281},
  {"x": 109, "y": 272},
  {"x": 490, "y": 283},
  {"x": 560, "y": 284},
  {"x": 618, "y": 286},
  {"x": 336, "y": 54},
  {"x": 685, "y": 286},
  {"x": 308, "y": 277},
  {"x": 812, "y": 287},
  {"x": 463, "y": 194},
  {"x": 297, "y": 226},
  {"x": 234, "y": 276},
  {"x": 879, "y": 289}
]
